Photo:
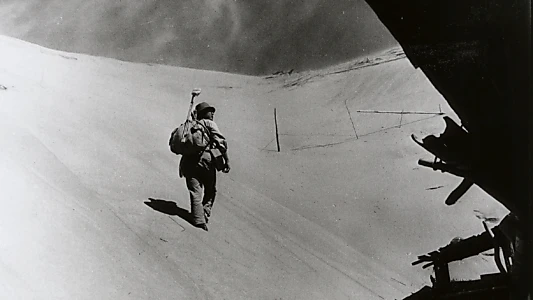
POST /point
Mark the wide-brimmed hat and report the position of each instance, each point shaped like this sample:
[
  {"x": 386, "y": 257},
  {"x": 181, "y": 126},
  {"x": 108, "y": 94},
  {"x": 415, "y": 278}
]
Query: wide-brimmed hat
[{"x": 203, "y": 106}]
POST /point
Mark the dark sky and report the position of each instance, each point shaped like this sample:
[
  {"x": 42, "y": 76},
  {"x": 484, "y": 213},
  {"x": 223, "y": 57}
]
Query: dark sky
[{"x": 242, "y": 36}]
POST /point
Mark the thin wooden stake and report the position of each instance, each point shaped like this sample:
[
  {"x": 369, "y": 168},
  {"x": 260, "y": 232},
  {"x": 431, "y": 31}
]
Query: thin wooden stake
[
  {"x": 277, "y": 134},
  {"x": 351, "y": 120}
]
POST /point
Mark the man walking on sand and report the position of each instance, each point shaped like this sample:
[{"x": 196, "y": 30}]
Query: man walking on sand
[{"x": 200, "y": 169}]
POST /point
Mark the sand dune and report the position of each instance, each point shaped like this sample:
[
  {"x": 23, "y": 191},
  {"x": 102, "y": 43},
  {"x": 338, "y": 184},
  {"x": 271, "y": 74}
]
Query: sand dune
[{"x": 94, "y": 207}]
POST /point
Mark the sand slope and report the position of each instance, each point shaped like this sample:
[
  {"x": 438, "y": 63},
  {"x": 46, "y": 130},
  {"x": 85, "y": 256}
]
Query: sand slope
[{"x": 94, "y": 207}]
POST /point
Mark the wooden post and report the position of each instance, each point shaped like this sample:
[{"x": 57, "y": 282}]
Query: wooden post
[
  {"x": 442, "y": 275},
  {"x": 277, "y": 134},
  {"x": 351, "y": 120}
]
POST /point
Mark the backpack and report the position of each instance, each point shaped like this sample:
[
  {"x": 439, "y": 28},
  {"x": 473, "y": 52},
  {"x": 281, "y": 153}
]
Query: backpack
[{"x": 190, "y": 137}]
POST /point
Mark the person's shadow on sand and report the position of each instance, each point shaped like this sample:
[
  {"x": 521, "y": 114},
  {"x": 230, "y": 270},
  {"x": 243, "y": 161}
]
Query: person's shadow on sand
[{"x": 170, "y": 208}]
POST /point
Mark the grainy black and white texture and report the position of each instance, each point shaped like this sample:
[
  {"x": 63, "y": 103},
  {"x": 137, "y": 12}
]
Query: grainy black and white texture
[{"x": 244, "y": 36}]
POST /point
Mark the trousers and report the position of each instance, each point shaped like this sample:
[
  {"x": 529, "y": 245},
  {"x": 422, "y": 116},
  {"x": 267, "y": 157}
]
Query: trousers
[{"x": 201, "y": 184}]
